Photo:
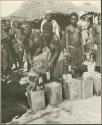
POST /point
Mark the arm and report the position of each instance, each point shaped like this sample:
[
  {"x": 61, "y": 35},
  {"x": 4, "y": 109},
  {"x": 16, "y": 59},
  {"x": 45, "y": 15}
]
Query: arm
[
  {"x": 39, "y": 48},
  {"x": 29, "y": 57},
  {"x": 66, "y": 38},
  {"x": 56, "y": 54},
  {"x": 56, "y": 29},
  {"x": 37, "y": 52},
  {"x": 42, "y": 23},
  {"x": 26, "y": 47},
  {"x": 55, "y": 50},
  {"x": 80, "y": 28}
]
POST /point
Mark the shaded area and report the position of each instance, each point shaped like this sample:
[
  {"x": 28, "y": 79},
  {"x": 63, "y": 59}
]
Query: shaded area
[{"x": 14, "y": 102}]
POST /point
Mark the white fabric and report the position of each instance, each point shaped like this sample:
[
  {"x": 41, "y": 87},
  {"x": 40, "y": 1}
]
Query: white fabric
[
  {"x": 55, "y": 27},
  {"x": 81, "y": 13},
  {"x": 83, "y": 25}
]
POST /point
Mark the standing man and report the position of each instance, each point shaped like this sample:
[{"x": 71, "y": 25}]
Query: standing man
[
  {"x": 73, "y": 42},
  {"x": 16, "y": 36},
  {"x": 49, "y": 26},
  {"x": 6, "y": 57}
]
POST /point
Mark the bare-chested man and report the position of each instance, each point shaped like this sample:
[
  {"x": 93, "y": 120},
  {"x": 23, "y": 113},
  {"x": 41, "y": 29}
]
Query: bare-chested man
[
  {"x": 50, "y": 39},
  {"x": 73, "y": 41},
  {"x": 6, "y": 57},
  {"x": 31, "y": 44},
  {"x": 16, "y": 36}
]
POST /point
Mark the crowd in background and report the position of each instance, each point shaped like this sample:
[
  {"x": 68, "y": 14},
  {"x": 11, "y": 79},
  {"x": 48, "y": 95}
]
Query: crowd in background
[{"x": 21, "y": 42}]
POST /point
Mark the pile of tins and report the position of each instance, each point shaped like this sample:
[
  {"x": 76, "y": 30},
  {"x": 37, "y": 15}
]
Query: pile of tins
[{"x": 70, "y": 89}]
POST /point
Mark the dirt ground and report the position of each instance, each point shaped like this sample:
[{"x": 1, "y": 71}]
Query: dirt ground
[{"x": 84, "y": 111}]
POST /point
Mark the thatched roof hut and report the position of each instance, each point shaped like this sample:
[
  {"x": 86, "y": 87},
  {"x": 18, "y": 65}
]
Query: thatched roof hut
[{"x": 35, "y": 9}]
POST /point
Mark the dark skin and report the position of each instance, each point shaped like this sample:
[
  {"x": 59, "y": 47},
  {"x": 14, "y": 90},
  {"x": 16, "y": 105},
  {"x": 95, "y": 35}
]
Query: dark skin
[
  {"x": 17, "y": 55},
  {"x": 48, "y": 17},
  {"x": 73, "y": 22},
  {"x": 5, "y": 45},
  {"x": 31, "y": 45},
  {"x": 54, "y": 45},
  {"x": 8, "y": 25},
  {"x": 55, "y": 49},
  {"x": 73, "y": 39}
]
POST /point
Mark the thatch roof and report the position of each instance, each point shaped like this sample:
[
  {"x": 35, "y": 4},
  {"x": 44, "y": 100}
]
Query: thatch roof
[
  {"x": 87, "y": 7},
  {"x": 35, "y": 9}
]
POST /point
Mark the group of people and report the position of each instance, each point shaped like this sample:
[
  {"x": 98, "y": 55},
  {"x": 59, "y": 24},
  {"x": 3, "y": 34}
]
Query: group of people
[{"x": 78, "y": 39}]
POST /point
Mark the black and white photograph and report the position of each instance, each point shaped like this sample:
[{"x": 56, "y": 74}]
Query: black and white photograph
[{"x": 50, "y": 61}]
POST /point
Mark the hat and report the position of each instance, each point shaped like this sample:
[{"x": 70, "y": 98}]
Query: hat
[{"x": 82, "y": 13}]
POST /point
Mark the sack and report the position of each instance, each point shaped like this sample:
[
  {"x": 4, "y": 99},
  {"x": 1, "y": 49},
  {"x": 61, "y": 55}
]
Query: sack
[{"x": 41, "y": 62}]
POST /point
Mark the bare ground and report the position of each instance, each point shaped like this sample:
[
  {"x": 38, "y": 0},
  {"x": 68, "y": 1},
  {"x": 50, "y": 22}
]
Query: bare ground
[{"x": 84, "y": 111}]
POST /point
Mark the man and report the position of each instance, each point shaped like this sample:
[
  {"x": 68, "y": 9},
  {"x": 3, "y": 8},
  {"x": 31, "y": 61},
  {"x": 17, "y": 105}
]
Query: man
[
  {"x": 50, "y": 39},
  {"x": 6, "y": 57},
  {"x": 16, "y": 36},
  {"x": 49, "y": 26},
  {"x": 73, "y": 42},
  {"x": 31, "y": 45},
  {"x": 8, "y": 25}
]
